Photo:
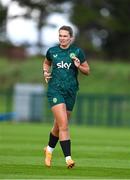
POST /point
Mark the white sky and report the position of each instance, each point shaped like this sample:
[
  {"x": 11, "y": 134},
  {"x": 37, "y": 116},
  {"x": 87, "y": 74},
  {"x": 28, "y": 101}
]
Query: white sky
[
  {"x": 5, "y": 2},
  {"x": 21, "y": 30},
  {"x": 24, "y": 31}
]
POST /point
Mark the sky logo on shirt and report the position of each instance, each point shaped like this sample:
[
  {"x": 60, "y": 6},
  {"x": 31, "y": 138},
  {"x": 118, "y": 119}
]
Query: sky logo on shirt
[{"x": 64, "y": 65}]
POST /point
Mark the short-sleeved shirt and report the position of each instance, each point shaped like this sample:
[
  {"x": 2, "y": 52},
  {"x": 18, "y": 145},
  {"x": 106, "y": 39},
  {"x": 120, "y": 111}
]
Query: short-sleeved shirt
[{"x": 64, "y": 72}]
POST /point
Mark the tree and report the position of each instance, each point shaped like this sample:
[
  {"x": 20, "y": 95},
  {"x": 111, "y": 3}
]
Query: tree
[
  {"x": 118, "y": 26},
  {"x": 3, "y": 17},
  {"x": 4, "y": 42},
  {"x": 42, "y": 9},
  {"x": 105, "y": 23}
]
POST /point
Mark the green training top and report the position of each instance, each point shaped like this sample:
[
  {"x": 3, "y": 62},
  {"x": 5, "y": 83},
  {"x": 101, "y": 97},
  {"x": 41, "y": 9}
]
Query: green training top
[{"x": 64, "y": 72}]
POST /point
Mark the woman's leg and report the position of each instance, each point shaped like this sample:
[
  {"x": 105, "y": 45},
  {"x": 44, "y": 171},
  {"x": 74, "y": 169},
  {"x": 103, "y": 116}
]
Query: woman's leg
[
  {"x": 60, "y": 129},
  {"x": 54, "y": 135},
  {"x": 61, "y": 116},
  {"x": 55, "y": 128}
]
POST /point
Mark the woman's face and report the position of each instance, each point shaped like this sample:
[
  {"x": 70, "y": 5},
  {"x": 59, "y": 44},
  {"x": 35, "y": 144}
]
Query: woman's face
[{"x": 64, "y": 38}]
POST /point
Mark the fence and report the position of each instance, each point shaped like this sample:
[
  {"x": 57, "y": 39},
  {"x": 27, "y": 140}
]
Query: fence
[
  {"x": 111, "y": 110},
  {"x": 90, "y": 109}
]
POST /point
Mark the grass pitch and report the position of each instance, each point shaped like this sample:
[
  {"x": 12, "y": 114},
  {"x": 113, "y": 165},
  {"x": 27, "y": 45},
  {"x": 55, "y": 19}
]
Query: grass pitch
[{"x": 99, "y": 153}]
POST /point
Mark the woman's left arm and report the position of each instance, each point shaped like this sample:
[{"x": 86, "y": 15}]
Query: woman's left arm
[{"x": 84, "y": 68}]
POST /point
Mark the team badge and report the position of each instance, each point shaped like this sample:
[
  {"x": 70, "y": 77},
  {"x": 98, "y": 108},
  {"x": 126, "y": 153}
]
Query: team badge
[
  {"x": 54, "y": 100},
  {"x": 72, "y": 55}
]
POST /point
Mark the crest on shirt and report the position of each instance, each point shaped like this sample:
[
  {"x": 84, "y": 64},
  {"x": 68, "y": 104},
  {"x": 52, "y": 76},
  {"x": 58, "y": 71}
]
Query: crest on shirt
[
  {"x": 54, "y": 100},
  {"x": 72, "y": 55}
]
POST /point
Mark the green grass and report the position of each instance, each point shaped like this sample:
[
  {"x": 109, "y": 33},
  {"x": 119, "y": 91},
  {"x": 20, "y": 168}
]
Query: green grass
[
  {"x": 100, "y": 153},
  {"x": 105, "y": 77}
]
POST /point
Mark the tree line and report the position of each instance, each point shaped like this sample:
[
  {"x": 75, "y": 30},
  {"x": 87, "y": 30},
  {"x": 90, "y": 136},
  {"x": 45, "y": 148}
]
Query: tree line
[{"x": 103, "y": 25}]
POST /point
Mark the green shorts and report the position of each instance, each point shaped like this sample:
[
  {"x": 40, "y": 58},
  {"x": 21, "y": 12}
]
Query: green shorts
[{"x": 56, "y": 97}]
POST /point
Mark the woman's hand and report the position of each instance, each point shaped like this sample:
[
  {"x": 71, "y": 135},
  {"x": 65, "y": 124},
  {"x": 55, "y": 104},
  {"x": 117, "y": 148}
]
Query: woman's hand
[
  {"x": 76, "y": 61},
  {"x": 47, "y": 76},
  {"x": 46, "y": 69}
]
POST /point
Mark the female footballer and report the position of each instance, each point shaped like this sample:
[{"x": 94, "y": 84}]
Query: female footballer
[{"x": 64, "y": 60}]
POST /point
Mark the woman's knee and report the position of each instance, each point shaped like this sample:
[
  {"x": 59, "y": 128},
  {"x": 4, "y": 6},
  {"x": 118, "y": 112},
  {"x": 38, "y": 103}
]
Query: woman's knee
[
  {"x": 63, "y": 128},
  {"x": 55, "y": 130}
]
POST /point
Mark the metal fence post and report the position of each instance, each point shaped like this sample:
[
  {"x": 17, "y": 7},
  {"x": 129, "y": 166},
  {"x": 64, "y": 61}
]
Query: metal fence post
[{"x": 79, "y": 112}]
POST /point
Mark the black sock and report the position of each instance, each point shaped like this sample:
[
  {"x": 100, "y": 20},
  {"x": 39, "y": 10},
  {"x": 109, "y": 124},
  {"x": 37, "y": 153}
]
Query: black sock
[
  {"x": 52, "y": 140},
  {"x": 66, "y": 147}
]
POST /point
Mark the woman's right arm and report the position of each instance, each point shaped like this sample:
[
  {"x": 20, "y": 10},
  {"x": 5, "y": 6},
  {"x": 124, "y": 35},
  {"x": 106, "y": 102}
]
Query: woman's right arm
[
  {"x": 46, "y": 68},
  {"x": 46, "y": 65}
]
